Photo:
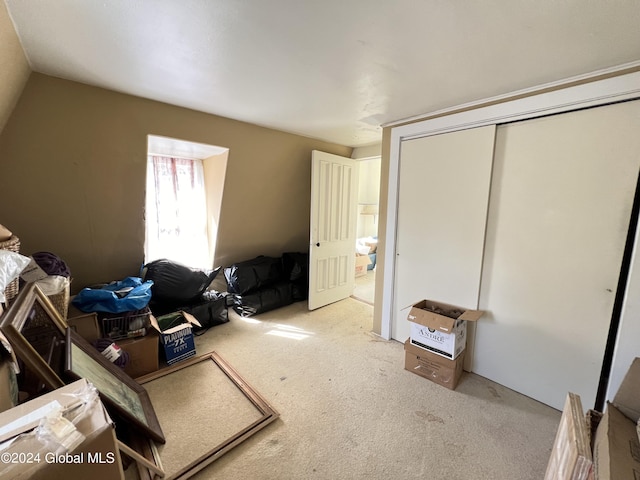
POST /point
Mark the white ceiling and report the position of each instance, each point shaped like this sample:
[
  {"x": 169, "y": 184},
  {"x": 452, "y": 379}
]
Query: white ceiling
[{"x": 328, "y": 69}]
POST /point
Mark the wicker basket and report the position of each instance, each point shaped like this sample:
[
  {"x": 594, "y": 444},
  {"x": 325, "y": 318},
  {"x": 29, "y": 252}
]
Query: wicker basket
[
  {"x": 13, "y": 245},
  {"x": 61, "y": 301}
]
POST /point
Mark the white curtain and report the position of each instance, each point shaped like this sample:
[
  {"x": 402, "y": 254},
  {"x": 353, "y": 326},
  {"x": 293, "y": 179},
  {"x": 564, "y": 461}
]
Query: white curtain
[{"x": 176, "y": 212}]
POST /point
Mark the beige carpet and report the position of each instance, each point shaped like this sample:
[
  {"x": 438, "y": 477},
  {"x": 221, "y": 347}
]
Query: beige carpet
[
  {"x": 349, "y": 410},
  {"x": 365, "y": 287}
]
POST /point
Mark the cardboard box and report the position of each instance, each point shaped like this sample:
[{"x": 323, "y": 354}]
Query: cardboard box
[
  {"x": 616, "y": 449},
  {"x": 97, "y": 457},
  {"x": 434, "y": 367},
  {"x": 361, "y": 264},
  {"x": 177, "y": 341},
  {"x": 86, "y": 325},
  {"x": 439, "y": 327},
  {"x": 143, "y": 354}
]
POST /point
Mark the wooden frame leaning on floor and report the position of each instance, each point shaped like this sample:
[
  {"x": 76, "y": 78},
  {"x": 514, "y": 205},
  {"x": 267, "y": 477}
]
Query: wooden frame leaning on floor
[{"x": 267, "y": 412}]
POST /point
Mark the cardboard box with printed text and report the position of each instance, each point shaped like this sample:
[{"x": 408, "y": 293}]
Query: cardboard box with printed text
[
  {"x": 176, "y": 335},
  {"x": 439, "y": 327}
]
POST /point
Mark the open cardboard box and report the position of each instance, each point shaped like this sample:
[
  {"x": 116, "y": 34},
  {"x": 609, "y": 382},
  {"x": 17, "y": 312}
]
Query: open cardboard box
[
  {"x": 439, "y": 327},
  {"x": 177, "y": 340},
  {"x": 97, "y": 457}
]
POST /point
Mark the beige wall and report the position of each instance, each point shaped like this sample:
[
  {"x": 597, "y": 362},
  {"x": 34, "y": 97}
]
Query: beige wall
[
  {"x": 215, "y": 170},
  {"x": 72, "y": 176},
  {"x": 14, "y": 69}
]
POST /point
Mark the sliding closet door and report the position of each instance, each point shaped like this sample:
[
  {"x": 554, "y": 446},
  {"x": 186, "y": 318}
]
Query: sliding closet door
[
  {"x": 442, "y": 212},
  {"x": 560, "y": 204}
]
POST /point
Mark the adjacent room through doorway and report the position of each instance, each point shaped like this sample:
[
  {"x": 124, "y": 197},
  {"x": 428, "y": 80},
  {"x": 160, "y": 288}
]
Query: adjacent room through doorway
[{"x": 367, "y": 225}]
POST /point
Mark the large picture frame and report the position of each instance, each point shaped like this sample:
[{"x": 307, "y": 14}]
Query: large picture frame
[
  {"x": 36, "y": 331},
  {"x": 211, "y": 447},
  {"x": 121, "y": 393}
]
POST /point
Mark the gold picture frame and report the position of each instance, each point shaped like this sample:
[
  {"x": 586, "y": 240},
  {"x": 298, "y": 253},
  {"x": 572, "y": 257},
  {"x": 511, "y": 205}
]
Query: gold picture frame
[{"x": 36, "y": 331}]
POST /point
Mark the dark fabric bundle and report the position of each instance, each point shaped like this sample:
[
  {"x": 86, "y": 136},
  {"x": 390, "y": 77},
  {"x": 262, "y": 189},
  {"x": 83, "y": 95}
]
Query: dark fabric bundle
[
  {"x": 175, "y": 282},
  {"x": 296, "y": 269},
  {"x": 253, "y": 274},
  {"x": 51, "y": 264},
  {"x": 263, "y": 300},
  {"x": 210, "y": 309}
]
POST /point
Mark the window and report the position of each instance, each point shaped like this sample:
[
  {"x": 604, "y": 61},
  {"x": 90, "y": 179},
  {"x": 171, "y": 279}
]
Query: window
[{"x": 176, "y": 212}]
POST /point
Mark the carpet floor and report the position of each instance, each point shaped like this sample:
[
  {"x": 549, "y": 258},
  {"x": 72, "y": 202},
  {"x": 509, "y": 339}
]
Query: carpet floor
[{"x": 349, "y": 410}]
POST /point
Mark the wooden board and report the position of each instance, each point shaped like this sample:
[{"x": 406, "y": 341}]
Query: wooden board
[{"x": 571, "y": 457}]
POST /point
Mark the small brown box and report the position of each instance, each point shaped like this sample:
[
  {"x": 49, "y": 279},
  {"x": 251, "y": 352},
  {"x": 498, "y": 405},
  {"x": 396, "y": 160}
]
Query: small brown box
[
  {"x": 434, "y": 367},
  {"x": 143, "y": 354}
]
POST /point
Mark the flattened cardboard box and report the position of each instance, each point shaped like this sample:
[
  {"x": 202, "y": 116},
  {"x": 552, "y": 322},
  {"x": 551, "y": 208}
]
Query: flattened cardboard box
[
  {"x": 616, "y": 449},
  {"x": 433, "y": 367},
  {"x": 439, "y": 327}
]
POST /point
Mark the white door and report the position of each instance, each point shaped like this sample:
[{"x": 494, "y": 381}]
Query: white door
[
  {"x": 332, "y": 245},
  {"x": 561, "y": 198},
  {"x": 442, "y": 211}
]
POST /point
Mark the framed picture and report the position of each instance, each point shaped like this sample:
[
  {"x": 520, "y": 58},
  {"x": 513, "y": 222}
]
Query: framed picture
[
  {"x": 121, "y": 393},
  {"x": 36, "y": 331},
  {"x": 218, "y": 404}
]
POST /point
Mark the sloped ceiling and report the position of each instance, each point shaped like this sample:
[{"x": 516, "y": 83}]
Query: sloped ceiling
[{"x": 333, "y": 70}]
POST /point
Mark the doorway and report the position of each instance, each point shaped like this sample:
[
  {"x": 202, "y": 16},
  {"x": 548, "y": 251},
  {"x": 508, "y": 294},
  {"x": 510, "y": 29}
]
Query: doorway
[{"x": 367, "y": 221}]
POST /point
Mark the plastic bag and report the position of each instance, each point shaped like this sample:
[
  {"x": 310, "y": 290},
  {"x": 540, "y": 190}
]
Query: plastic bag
[
  {"x": 263, "y": 300},
  {"x": 53, "y": 284},
  {"x": 296, "y": 269},
  {"x": 175, "y": 282},
  {"x": 117, "y": 297},
  {"x": 210, "y": 309},
  {"x": 11, "y": 264},
  {"x": 254, "y": 274}
]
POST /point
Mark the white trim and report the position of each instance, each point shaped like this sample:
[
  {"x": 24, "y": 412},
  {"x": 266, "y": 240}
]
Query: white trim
[
  {"x": 563, "y": 84},
  {"x": 595, "y": 93}
]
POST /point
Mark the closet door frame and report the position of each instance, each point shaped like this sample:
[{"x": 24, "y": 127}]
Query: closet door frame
[{"x": 590, "y": 90}]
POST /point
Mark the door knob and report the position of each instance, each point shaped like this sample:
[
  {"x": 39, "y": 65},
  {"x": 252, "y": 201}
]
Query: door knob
[{"x": 318, "y": 244}]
